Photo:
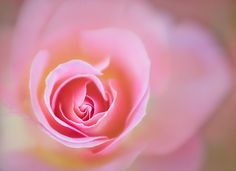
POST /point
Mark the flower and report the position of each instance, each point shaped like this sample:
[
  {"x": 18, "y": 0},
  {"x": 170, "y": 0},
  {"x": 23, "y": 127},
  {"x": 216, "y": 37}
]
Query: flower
[
  {"x": 78, "y": 105},
  {"x": 83, "y": 105},
  {"x": 84, "y": 74}
]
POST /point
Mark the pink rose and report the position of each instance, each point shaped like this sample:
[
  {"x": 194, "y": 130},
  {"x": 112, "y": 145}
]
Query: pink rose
[
  {"x": 82, "y": 68},
  {"x": 83, "y": 105},
  {"x": 87, "y": 87}
]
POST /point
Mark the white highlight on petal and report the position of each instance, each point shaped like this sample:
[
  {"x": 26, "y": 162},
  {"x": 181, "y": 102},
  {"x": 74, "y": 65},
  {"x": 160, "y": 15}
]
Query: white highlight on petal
[{"x": 103, "y": 65}]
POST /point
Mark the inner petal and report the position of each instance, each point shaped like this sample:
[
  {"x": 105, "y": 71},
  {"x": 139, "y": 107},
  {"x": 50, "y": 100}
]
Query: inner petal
[
  {"x": 79, "y": 100},
  {"x": 86, "y": 110},
  {"x": 93, "y": 93}
]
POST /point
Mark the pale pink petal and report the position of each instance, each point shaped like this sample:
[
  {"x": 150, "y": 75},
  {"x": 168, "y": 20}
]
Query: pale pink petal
[
  {"x": 200, "y": 80},
  {"x": 152, "y": 27},
  {"x": 5, "y": 44},
  {"x": 125, "y": 51},
  {"x": 25, "y": 161},
  {"x": 68, "y": 15},
  {"x": 26, "y": 38},
  {"x": 187, "y": 158},
  {"x": 123, "y": 161},
  {"x": 132, "y": 121},
  {"x": 30, "y": 32}
]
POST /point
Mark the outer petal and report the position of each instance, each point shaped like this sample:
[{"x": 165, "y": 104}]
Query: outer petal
[
  {"x": 187, "y": 158},
  {"x": 122, "y": 162},
  {"x": 5, "y": 44},
  {"x": 91, "y": 15},
  {"x": 200, "y": 80},
  {"x": 25, "y": 39},
  {"x": 29, "y": 32},
  {"x": 153, "y": 29},
  {"x": 26, "y": 161}
]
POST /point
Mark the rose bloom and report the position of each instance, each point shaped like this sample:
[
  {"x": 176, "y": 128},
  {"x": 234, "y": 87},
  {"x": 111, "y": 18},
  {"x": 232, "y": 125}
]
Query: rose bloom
[{"x": 80, "y": 71}]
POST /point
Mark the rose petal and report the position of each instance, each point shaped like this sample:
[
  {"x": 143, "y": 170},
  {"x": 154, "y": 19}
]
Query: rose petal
[
  {"x": 68, "y": 15},
  {"x": 187, "y": 158},
  {"x": 5, "y": 44},
  {"x": 200, "y": 80},
  {"x": 24, "y": 161},
  {"x": 153, "y": 28},
  {"x": 26, "y": 38},
  {"x": 29, "y": 32}
]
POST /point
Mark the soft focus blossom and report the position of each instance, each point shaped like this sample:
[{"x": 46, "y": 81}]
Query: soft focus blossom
[
  {"x": 219, "y": 133},
  {"x": 198, "y": 82},
  {"x": 79, "y": 71}
]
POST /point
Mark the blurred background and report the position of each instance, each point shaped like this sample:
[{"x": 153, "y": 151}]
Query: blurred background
[{"x": 220, "y": 16}]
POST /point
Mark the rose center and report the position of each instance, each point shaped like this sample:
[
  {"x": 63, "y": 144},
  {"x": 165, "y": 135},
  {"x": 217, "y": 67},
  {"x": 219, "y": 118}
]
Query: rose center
[
  {"x": 86, "y": 110},
  {"x": 80, "y": 99}
]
